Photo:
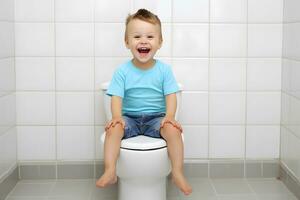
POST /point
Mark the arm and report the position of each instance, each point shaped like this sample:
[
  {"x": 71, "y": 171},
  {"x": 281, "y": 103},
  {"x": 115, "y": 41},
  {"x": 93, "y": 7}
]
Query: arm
[
  {"x": 116, "y": 107},
  {"x": 116, "y": 111},
  {"x": 171, "y": 106}
]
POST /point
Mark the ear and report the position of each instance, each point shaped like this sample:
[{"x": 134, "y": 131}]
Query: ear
[
  {"x": 160, "y": 43},
  {"x": 126, "y": 43}
]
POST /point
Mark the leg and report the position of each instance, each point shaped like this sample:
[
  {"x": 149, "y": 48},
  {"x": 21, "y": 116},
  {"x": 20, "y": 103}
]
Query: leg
[
  {"x": 111, "y": 153},
  {"x": 175, "y": 149}
]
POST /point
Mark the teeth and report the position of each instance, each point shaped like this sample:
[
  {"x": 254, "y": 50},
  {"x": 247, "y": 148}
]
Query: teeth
[{"x": 143, "y": 48}]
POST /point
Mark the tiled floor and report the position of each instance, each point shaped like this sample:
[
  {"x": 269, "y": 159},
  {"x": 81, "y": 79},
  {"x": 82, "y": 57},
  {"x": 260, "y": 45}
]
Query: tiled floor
[{"x": 203, "y": 189}]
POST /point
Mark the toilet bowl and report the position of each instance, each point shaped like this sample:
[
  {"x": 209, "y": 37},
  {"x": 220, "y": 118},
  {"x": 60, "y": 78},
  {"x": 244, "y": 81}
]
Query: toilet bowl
[
  {"x": 143, "y": 164},
  {"x": 142, "y": 168}
]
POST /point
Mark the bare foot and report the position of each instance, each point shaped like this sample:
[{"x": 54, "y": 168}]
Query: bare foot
[
  {"x": 180, "y": 181},
  {"x": 106, "y": 179}
]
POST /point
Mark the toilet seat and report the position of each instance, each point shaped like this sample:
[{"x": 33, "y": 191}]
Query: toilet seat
[{"x": 141, "y": 143}]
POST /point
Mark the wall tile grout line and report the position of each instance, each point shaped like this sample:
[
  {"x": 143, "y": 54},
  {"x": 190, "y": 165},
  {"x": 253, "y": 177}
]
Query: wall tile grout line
[
  {"x": 94, "y": 68},
  {"x": 55, "y": 92},
  {"x": 246, "y": 89},
  {"x": 209, "y": 90}
]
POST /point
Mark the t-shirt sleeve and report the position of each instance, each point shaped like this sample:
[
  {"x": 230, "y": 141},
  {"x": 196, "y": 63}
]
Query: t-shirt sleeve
[
  {"x": 117, "y": 84},
  {"x": 170, "y": 85}
]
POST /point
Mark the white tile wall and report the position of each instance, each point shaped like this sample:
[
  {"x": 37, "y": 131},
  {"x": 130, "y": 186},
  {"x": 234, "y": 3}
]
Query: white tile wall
[
  {"x": 226, "y": 141},
  {"x": 36, "y": 143},
  {"x": 74, "y": 39},
  {"x": 75, "y": 143},
  {"x": 34, "y": 39},
  {"x": 227, "y": 74},
  {"x": 74, "y": 73},
  {"x": 290, "y": 107},
  {"x": 291, "y": 44},
  {"x": 107, "y": 11},
  {"x": 7, "y": 112},
  {"x": 263, "y": 108},
  {"x": 290, "y": 151},
  {"x": 99, "y": 130},
  {"x": 8, "y": 132},
  {"x": 197, "y": 138},
  {"x": 34, "y": 10},
  {"x": 74, "y": 10},
  {"x": 7, "y": 75},
  {"x": 227, "y": 107},
  {"x": 35, "y": 73},
  {"x": 8, "y": 148},
  {"x": 265, "y": 40},
  {"x": 265, "y": 11},
  {"x": 262, "y": 142},
  {"x": 198, "y": 80},
  {"x": 226, "y": 53},
  {"x": 35, "y": 108},
  {"x": 7, "y": 10},
  {"x": 75, "y": 108},
  {"x": 228, "y": 11},
  {"x": 184, "y": 11},
  {"x": 228, "y": 40},
  {"x": 113, "y": 47},
  {"x": 190, "y": 40},
  {"x": 6, "y": 39},
  {"x": 290, "y": 11},
  {"x": 194, "y": 108},
  {"x": 259, "y": 76}
]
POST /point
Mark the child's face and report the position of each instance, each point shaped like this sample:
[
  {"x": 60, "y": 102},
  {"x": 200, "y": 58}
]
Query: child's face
[{"x": 143, "y": 40}]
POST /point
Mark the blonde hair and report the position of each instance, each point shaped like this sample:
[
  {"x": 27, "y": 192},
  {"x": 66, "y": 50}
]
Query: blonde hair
[{"x": 144, "y": 15}]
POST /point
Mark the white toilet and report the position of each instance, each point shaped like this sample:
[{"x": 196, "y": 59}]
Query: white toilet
[{"x": 143, "y": 164}]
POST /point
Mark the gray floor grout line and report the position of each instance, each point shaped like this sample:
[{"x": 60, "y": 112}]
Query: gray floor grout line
[
  {"x": 252, "y": 190},
  {"x": 213, "y": 186}
]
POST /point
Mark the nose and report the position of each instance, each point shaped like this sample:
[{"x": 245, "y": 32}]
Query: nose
[{"x": 143, "y": 40}]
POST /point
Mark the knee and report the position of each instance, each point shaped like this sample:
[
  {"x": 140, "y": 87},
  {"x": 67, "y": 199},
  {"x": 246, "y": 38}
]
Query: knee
[
  {"x": 113, "y": 129},
  {"x": 170, "y": 130}
]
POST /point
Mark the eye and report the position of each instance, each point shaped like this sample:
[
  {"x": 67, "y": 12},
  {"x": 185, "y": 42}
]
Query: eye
[
  {"x": 150, "y": 36},
  {"x": 136, "y": 36}
]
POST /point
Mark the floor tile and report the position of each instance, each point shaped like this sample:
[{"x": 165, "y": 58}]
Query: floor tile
[
  {"x": 277, "y": 197},
  {"x": 73, "y": 188},
  {"x": 172, "y": 190},
  {"x": 110, "y": 193},
  {"x": 31, "y": 189},
  {"x": 237, "y": 197},
  {"x": 26, "y": 198},
  {"x": 268, "y": 186},
  {"x": 203, "y": 189},
  {"x": 202, "y": 186},
  {"x": 231, "y": 186}
]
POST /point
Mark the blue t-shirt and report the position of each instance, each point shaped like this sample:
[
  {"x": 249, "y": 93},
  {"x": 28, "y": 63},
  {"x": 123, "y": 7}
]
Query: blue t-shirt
[{"x": 143, "y": 91}]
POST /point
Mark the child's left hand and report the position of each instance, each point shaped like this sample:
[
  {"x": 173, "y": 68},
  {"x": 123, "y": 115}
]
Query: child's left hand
[{"x": 171, "y": 121}]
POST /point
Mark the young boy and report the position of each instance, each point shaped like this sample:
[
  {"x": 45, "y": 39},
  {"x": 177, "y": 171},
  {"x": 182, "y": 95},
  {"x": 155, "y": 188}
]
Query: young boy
[{"x": 143, "y": 89}]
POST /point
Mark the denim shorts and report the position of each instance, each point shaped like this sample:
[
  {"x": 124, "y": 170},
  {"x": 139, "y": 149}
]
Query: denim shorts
[{"x": 147, "y": 124}]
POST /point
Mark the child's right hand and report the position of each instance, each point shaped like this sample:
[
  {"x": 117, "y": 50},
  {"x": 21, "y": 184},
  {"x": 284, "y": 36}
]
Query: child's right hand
[{"x": 114, "y": 121}]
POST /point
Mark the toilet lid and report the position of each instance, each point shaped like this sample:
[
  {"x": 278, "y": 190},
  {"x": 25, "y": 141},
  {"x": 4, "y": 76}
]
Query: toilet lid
[{"x": 141, "y": 143}]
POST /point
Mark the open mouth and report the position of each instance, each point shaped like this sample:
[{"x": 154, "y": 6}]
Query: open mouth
[{"x": 143, "y": 50}]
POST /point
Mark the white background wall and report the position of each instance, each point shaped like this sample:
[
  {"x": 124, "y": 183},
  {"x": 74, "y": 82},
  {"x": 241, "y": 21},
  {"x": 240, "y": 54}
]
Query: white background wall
[
  {"x": 290, "y": 117},
  {"x": 8, "y": 133},
  {"x": 226, "y": 53}
]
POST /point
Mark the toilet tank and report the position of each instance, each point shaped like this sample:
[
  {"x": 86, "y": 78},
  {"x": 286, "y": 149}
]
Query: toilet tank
[{"x": 106, "y": 100}]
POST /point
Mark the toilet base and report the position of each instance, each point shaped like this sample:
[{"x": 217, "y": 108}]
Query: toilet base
[{"x": 133, "y": 189}]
